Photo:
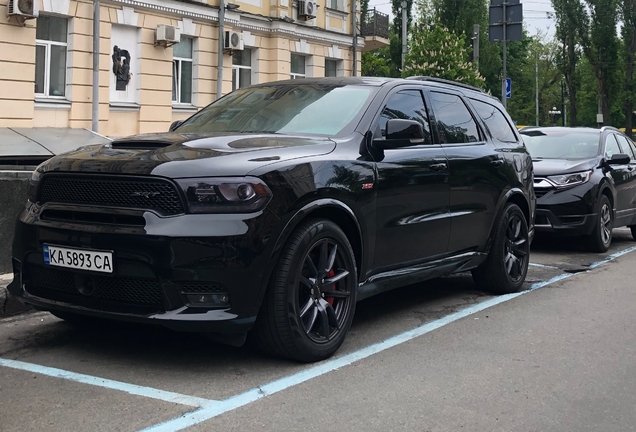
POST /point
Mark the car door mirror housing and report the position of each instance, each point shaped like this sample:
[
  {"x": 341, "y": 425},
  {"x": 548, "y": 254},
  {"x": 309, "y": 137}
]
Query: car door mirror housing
[
  {"x": 175, "y": 124},
  {"x": 401, "y": 133},
  {"x": 619, "y": 159}
]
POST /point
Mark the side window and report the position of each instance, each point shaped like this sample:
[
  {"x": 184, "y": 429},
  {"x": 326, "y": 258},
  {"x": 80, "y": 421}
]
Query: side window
[
  {"x": 627, "y": 147},
  {"x": 495, "y": 120},
  {"x": 407, "y": 105},
  {"x": 455, "y": 124},
  {"x": 611, "y": 146}
]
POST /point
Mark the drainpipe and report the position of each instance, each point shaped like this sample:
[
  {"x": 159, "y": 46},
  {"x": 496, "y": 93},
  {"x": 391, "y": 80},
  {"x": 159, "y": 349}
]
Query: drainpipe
[
  {"x": 95, "y": 105},
  {"x": 219, "y": 71},
  {"x": 354, "y": 22}
]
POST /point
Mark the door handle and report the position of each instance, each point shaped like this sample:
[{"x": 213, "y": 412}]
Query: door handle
[
  {"x": 438, "y": 166},
  {"x": 497, "y": 162}
]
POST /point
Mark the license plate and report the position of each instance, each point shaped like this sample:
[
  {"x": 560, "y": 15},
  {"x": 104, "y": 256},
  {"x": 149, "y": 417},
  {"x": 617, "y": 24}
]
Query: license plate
[{"x": 78, "y": 258}]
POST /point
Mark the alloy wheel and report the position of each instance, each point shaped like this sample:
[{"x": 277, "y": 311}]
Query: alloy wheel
[
  {"x": 606, "y": 224},
  {"x": 516, "y": 248},
  {"x": 323, "y": 296}
]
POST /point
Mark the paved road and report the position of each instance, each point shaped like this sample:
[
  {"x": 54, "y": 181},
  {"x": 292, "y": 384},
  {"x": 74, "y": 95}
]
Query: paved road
[{"x": 432, "y": 357}]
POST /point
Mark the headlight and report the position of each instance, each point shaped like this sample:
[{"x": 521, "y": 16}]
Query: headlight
[
  {"x": 567, "y": 180},
  {"x": 225, "y": 195},
  {"x": 32, "y": 190}
]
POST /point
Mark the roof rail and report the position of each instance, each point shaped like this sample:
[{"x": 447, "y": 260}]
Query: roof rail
[
  {"x": 612, "y": 128},
  {"x": 445, "y": 81}
]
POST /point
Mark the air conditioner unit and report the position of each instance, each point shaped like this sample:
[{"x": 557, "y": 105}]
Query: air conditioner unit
[
  {"x": 24, "y": 8},
  {"x": 307, "y": 9},
  {"x": 233, "y": 41},
  {"x": 166, "y": 35}
]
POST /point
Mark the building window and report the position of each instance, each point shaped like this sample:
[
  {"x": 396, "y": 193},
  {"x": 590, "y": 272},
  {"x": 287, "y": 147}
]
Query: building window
[
  {"x": 182, "y": 71},
  {"x": 297, "y": 66},
  {"x": 51, "y": 37},
  {"x": 331, "y": 68},
  {"x": 241, "y": 69}
]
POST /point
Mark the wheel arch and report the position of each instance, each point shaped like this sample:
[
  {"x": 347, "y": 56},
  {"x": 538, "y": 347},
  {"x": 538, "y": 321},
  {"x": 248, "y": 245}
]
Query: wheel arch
[{"x": 514, "y": 196}]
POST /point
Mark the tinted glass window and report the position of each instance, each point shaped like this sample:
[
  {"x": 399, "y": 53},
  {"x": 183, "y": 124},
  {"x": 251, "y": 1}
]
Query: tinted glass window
[
  {"x": 611, "y": 147},
  {"x": 285, "y": 109},
  {"x": 496, "y": 121},
  {"x": 407, "y": 105},
  {"x": 625, "y": 145},
  {"x": 561, "y": 143},
  {"x": 454, "y": 122}
]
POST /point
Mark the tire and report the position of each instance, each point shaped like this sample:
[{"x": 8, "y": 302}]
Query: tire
[
  {"x": 633, "y": 229},
  {"x": 505, "y": 269},
  {"x": 601, "y": 237},
  {"x": 310, "y": 302}
]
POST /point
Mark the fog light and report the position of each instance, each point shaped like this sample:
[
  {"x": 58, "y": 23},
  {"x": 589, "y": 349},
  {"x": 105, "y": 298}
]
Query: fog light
[{"x": 209, "y": 299}]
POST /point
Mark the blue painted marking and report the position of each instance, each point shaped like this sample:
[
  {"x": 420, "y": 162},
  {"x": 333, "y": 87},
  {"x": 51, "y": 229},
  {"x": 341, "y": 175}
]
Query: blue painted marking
[
  {"x": 613, "y": 257},
  {"x": 110, "y": 384}
]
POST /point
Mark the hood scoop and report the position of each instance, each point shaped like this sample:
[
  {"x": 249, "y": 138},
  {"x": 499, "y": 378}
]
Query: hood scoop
[{"x": 137, "y": 145}]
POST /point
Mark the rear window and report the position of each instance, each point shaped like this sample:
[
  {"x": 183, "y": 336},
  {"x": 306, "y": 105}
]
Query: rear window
[
  {"x": 497, "y": 124},
  {"x": 544, "y": 144}
]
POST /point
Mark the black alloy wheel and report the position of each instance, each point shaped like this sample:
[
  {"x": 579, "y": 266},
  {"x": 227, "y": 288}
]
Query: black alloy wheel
[
  {"x": 505, "y": 269},
  {"x": 601, "y": 237},
  {"x": 311, "y": 300}
]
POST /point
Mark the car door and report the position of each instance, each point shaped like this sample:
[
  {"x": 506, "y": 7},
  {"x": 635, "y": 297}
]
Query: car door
[
  {"x": 412, "y": 190},
  {"x": 621, "y": 175},
  {"x": 627, "y": 147},
  {"x": 476, "y": 180}
]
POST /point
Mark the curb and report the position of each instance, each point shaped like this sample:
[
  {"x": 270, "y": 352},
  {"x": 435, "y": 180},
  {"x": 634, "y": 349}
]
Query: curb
[{"x": 9, "y": 305}]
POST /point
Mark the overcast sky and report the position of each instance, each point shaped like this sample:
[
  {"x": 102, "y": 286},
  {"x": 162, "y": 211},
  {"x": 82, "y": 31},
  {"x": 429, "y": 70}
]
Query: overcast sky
[{"x": 535, "y": 14}]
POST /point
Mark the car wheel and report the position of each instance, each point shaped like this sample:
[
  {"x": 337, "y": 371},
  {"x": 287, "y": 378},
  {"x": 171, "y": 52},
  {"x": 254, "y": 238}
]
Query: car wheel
[
  {"x": 601, "y": 237},
  {"x": 310, "y": 302},
  {"x": 505, "y": 269},
  {"x": 633, "y": 229}
]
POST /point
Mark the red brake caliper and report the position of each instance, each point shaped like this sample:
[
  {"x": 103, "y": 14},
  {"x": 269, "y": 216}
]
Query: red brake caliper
[{"x": 330, "y": 299}]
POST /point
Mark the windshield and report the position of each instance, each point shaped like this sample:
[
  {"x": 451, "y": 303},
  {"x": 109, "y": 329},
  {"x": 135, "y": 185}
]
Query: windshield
[
  {"x": 561, "y": 145},
  {"x": 287, "y": 109}
]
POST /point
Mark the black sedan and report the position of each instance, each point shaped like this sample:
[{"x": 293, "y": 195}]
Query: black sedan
[
  {"x": 277, "y": 207},
  {"x": 584, "y": 180}
]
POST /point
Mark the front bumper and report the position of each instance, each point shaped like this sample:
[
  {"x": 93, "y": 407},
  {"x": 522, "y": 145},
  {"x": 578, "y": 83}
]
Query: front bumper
[
  {"x": 566, "y": 211},
  {"x": 152, "y": 274}
]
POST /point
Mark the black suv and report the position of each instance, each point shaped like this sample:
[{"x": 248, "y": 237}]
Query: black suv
[{"x": 277, "y": 207}]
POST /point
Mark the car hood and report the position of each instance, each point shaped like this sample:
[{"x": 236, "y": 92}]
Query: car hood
[
  {"x": 547, "y": 167},
  {"x": 177, "y": 155}
]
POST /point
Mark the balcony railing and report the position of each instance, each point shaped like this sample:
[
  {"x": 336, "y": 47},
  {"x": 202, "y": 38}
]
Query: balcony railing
[{"x": 375, "y": 23}]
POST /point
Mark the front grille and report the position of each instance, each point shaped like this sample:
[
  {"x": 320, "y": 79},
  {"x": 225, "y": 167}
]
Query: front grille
[
  {"x": 62, "y": 285},
  {"x": 201, "y": 288},
  {"x": 127, "y": 192}
]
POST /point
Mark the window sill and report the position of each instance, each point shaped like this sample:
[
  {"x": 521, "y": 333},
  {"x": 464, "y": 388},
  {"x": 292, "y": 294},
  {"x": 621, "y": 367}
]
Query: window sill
[
  {"x": 339, "y": 12},
  {"x": 184, "y": 108},
  {"x": 124, "y": 106},
  {"x": 52, "y": 103}
]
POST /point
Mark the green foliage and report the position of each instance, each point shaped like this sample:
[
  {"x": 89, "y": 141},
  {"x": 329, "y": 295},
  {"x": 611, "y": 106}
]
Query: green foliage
[
  {"x": 376, "y": 63},
  {"x": 437, "y": 52}
]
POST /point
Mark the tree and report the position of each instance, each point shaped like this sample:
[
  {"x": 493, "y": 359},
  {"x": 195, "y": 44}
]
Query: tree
[
  {"x": 438, "y": 52},
  {"x": 628, "y": 15},
  {"x": 376, "y": 63},
  {"x": 597, "y": 32}
]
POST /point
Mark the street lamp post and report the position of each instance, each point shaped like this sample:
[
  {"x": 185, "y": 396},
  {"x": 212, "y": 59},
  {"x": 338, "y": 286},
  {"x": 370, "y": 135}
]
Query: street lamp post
[
  {"x": 219, "y": 70},
  {"x": 554, "y": 115}
]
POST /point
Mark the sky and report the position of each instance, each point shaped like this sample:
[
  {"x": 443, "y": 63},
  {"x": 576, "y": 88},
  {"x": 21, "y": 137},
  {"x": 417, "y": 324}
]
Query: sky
[{"x": 535, "y": 14}]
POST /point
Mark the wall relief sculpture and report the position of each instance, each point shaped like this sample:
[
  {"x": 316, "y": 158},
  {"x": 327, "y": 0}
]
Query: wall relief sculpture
[{"x": 121, "y": 68}]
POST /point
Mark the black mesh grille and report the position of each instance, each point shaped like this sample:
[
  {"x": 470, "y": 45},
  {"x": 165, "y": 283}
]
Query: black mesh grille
[
  {"x": 49, "y": 283},
  {"x": 151, "y": 194},
  {"x": 201, "y": 288}
]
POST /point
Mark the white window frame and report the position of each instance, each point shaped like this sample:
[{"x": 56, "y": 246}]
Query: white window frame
[
  {"x": 238, "y": 75},
  {"x": 178, "y": 61},
  {"x": 47, "y": 64},
  {"x": 294, "y": 75}
]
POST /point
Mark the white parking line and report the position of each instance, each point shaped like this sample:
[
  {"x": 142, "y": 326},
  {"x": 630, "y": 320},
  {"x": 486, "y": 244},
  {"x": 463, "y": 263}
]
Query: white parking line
[
  {"x": 110, "y": 384},
  {"x": 211, "y": 408},
  {"x": 542, "y": 265}
]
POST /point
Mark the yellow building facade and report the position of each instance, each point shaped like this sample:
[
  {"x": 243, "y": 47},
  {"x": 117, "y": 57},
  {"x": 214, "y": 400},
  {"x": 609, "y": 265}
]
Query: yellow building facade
[{"x": 145, "y": 82}]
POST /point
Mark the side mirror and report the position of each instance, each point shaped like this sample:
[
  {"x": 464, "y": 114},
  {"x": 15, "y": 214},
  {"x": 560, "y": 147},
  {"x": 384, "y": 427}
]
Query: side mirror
[
  {"x": 619, "y": 159},
  {"x": 174, "y": 125},
  {"x": 401, "y": 133}
]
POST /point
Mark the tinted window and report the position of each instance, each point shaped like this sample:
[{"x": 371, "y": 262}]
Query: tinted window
[
  {"x": 561, "y": 143},
  {"x": 611, "y": 147},
  {"x": 286, "y": 109},
  {"x": 407, "y": 105},
  {"x": 625, "y": 145},
  {"x": 496, "y": 121},
  {"x": 454, "y": 122}
]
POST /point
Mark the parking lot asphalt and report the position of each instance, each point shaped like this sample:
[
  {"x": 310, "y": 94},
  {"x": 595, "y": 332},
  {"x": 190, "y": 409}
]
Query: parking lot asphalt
[{"x": 435, "y": 356}]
